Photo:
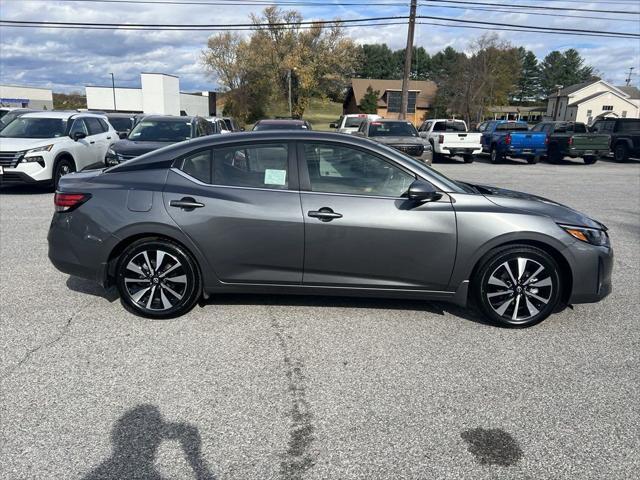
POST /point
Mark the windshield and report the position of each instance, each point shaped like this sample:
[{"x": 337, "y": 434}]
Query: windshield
[
  {"x": 121, "y": 124},
  {"x": 35, "y": 128},
  {"x": 392, "y": 129},
  {"x": 280, "y": 126},
  {"x": 353, "y": 122},
  {"x": 161, "y": 131},
  {"x": 449, "y": 127}
]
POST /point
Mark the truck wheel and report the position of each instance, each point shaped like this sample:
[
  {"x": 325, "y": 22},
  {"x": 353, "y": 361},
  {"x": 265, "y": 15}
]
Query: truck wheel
[
  {"x": 554, "y": 154},
  {"x": 590, "y": 160},
  {"x": 494, "y": 156},
  {"x": 621, "y": 153},
  {"x": 533, "y": 160},
  {"x": 468, "y": 158}
]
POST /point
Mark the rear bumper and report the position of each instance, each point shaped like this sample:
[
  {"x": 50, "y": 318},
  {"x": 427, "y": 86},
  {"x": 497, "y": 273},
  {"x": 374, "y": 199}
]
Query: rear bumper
[
  {"x": 525, "y": 152},
  {"x": 461, "y": 151},
  {"x": 578, "y": 153},
  {"x": 74, "y": 250}
]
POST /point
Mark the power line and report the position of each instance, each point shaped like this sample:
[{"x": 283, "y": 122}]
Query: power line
[{"x": 519, "y": 6}]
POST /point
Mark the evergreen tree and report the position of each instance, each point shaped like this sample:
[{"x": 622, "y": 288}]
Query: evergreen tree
[
  {"x": 564, "y": 69},
  {"x": 528, "y": 88},
  {"x": 377, "y": 61},
  {"x": 369, "y": 102}
]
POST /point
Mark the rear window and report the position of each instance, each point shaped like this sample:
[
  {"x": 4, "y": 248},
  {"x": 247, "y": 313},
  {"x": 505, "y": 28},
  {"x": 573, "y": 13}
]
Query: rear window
[
  {"x": 629, "y": 126},
  {"x": 513, "y": 127},
  {"x": 579, "y": 128},
  {"x": 353, "y": 122},
  {"x": 449, "y": 127},
  {"x": 121, "y": 124}
]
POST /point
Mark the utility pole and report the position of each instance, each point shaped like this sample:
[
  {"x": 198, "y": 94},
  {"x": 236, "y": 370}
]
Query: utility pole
[
  {"x": 113, "y": 87},
  {"x": 407, "y": 61},
  {"x": 290, "y": 100},
  {"x": 628, "y": 80}
]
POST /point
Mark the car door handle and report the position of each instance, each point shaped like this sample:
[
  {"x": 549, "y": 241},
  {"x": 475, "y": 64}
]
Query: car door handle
[
  {"x": 92, "y": 142},
  {"x": 108, "y": 138},
  {"x": 186, "y": 203},
  {"x": 325, "y": 214}
]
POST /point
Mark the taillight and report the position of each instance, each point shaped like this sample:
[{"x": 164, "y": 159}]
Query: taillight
[
  {"x": 440, "y": 138},
  {"x": 570, "y": 141},
  {"x": 546, "y": 140},
  {"x": 65, "y": 202},
  {"x": 507, "y": 139}
]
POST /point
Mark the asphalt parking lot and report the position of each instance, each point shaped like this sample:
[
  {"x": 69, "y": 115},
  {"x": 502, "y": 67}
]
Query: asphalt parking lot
[{"x": 257, "y": 387}]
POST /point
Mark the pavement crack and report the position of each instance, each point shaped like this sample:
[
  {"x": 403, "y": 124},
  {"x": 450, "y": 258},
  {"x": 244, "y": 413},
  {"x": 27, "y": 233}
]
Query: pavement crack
[
  {"x": 32, "y": 351},
  {"x": 298, "y": 457}
]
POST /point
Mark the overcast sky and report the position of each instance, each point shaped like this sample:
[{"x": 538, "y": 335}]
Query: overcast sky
[{"x": 67, "y": 60}]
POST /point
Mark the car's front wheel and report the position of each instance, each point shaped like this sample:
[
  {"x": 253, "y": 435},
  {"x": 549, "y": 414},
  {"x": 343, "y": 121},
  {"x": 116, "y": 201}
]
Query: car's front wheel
[
  {"x": 63, "y": 167},
  {"x": 157, "y": 278},
  {"x": 517, "y": 286}
]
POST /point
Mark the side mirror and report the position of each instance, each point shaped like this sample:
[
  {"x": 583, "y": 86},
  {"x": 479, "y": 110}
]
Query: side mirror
[
  {"x": 421, "y": 191},
  {"x": 123, "y": 135},
  {"x": 423, "y": 134},
  {"x": 78, "y": 135},
  {"x": 333, "y": 125},
  {"x": 242, "y": 129},
  {"x": 360, "y": 134}
]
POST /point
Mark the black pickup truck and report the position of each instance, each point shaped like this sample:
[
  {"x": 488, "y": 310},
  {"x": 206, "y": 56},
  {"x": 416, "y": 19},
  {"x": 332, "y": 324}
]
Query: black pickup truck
[
  {"x": 625, "y": 136},
  {"x": 572, "y": 139}
]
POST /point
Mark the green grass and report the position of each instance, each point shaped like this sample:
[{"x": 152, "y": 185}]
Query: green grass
[{"x": 319, "y": 113}]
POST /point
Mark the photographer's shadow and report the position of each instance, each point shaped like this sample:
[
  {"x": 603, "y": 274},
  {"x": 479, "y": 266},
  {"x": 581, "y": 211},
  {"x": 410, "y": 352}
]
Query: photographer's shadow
[{"x": 136, "y": 438}]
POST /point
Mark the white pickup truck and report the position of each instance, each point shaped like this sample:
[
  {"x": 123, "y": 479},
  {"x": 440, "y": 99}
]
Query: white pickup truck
[{"x": 449, "y": 138}]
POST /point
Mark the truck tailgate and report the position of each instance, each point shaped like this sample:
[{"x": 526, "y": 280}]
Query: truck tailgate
[
  {"x": 590, "y": 141},
  {"x": 461, "y": 139},
  {"x": 528, "y": 140}
]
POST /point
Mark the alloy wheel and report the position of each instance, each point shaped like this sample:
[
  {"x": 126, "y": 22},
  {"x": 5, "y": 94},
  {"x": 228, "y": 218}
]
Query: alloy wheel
[
  {"x": 519, "y": 289},
  {"x": 156, "y": 280}
]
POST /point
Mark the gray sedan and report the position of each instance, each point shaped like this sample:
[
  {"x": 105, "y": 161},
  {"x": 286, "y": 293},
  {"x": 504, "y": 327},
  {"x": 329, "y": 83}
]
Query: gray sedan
[{"x": 320, "y": 213}]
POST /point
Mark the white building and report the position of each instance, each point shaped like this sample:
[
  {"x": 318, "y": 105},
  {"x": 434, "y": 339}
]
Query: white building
[
  {"x": 586, "y": 102},
  {"x": 159, "y": 93},
  {"x": 26, "y": 97}
]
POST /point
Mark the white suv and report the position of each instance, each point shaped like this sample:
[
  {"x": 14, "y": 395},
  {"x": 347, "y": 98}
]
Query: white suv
[{"x": 41, "y": 147}]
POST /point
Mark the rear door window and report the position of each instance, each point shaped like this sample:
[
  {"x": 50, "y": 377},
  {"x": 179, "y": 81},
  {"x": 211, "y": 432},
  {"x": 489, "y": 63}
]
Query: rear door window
[
  {"x": 258, "y": 166},
  {"x": 94, "y": 126}
]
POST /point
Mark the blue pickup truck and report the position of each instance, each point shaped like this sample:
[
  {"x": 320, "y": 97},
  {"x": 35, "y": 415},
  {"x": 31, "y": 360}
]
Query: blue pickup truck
[{"x": 506, "y": 138}]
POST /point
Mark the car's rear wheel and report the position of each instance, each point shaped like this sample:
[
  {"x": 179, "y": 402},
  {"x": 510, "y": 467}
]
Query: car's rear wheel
[
  {"x": 517, "y": 286},
  {"x": 157, "y": 278},
  {"x": 63, "y": 167},
  {"x": 494, "y": 155},
  {"x": 621, "y": 153},
  {"x": 590, "y": 160},
  {"x": 533, "y": 160},
  {"x": 468, "y": 158}
]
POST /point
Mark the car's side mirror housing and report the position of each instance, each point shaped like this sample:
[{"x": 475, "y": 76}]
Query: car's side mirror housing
[
  {"x": 423, "y": 134},
  {"x": 78, "y": 135},
  {"x": 123, "y": 135},
  {"x": 333, "y": 125},
  {"x": 422, "y": 191}
]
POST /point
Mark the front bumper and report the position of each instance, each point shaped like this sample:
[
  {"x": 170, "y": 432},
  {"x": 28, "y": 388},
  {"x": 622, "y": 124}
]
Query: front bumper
[
  {"x": 15, "y": 177},
  {"x": 592, "y": 273}
]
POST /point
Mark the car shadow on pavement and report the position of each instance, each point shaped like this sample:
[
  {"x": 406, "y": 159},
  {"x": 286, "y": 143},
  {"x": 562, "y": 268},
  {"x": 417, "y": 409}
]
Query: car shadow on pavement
[
  {"x": 436, "y": 308},
  {"x": 81, "y": 285},
  {"x": 136, "y": 438},
  {"x": 25, "y": 190}
]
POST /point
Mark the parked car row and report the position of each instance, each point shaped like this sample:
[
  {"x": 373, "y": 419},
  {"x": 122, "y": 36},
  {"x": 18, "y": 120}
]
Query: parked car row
[{"x": 500, "y": 139}]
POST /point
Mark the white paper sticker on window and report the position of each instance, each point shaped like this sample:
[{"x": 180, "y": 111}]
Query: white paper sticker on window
[{"x": 275, "y": 177}]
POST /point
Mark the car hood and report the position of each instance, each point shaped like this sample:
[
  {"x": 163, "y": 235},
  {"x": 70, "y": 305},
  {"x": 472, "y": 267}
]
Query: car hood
[
  {"x": 399, "y": 140},
  {"x": 9, "y": 144},
  {"x": 130, "y": 147},
  {"x": 527, "y": 202}
]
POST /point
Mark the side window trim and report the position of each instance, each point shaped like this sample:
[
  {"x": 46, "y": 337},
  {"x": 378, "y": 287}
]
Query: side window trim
[{"x": 305, "y": 180}]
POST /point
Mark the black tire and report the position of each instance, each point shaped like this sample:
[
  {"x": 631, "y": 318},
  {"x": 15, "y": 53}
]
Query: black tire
[
  {"x": 492, "y": 278},
  {"x": 63, "y": 167},
  {"x": 468, "y": 158},
  {"x": 533, "y": 160},
  {"x": 166, "y": 296},
  {"x": 621, "y": 152},
  {"x": 554, "y": 154},
  {"x": 590, "y": 160},
  {"x": 494, "y": 155}
]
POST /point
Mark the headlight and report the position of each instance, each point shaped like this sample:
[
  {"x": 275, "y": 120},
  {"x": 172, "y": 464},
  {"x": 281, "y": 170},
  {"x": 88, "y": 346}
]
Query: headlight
[
  {"x": 46, "y": 148},
  {"x": 594, "y": 236}
]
